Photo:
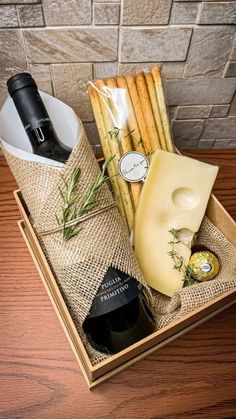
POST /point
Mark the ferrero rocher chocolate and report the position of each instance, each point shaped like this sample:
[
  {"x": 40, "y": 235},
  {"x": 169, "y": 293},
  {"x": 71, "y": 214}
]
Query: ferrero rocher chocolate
[{"x": 204, "y": 265}]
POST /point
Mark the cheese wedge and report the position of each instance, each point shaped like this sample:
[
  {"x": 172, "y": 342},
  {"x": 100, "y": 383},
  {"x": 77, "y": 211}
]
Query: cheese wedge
[{"x": 174, "y": 196}]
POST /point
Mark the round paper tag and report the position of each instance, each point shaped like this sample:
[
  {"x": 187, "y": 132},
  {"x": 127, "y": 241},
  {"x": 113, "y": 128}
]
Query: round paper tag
[{"x": 133, "y": 166}]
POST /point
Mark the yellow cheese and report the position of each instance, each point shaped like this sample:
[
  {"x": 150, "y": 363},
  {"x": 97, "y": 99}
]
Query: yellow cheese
[{"x": 175, "y": 195}]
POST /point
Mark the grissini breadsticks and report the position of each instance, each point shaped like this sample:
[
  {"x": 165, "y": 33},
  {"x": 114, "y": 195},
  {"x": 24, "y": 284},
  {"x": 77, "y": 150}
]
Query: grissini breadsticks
[
  {"x": 155, "y": 108},
  {"x": 130, "y": 114},
  {"x": 123, "y": 135},
  {"x": 112, "y": 170},
  {"x": 107, "y": 116},
  {"x": 147, "y": 110},
  {"x": 144, "y": 140},
  {"x": 162, "y": 106}
]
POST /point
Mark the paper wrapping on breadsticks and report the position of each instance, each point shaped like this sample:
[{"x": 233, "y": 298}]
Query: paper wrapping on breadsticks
[
  {"x": 80, "y": 263},
  {"x": 131, "y": 115}
]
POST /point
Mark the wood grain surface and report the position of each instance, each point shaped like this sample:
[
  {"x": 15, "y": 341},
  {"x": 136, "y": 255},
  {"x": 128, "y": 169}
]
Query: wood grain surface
[{"x": 194, "y": 377}]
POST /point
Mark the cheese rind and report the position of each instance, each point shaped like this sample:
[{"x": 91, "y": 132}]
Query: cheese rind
[{"x": 175, "y": 195}]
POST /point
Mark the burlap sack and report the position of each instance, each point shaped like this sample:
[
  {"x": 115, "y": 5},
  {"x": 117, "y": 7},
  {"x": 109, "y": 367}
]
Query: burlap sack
[{"x": 80, "y": 263}]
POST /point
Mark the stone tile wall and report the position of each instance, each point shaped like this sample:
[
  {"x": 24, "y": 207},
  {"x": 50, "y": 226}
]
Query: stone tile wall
[{"x": 64, "y": 43}]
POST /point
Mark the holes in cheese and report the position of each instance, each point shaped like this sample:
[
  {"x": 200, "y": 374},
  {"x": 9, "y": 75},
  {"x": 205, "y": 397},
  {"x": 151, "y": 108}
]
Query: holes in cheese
[
  {"x": 174, "y": 196},
  {"x": 186, "y": 236},
  {"x": 185, "y": 198}
]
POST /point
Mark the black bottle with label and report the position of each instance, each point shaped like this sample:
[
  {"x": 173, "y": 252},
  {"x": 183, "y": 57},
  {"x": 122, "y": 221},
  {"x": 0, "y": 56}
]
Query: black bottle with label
[
  {"x": 35, "y": 118},
  {"x": 120, "y": 314}
]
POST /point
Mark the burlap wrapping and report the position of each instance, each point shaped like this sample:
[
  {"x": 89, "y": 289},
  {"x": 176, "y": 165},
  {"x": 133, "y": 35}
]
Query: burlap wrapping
[
  {"x": 80, "y": 264},
  {"x": 189, "y": 298}
]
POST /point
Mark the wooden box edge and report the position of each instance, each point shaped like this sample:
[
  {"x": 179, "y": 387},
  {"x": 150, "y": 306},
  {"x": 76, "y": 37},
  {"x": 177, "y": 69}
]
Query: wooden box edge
[{"x": 94, "y": 375}]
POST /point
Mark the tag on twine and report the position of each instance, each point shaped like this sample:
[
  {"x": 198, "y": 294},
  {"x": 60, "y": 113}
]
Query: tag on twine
[{"x": 133, "y": 166}]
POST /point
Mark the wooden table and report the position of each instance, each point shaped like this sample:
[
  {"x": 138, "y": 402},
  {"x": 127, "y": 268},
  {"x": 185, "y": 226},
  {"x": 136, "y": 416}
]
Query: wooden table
[{"x": 193, "y": 377}]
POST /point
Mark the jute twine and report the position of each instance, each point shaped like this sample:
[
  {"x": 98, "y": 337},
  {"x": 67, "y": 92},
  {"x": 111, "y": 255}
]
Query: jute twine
[{"x": 80, "y": 264}]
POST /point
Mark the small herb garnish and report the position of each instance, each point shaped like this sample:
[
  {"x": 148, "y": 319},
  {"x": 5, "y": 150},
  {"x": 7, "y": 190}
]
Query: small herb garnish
[
  {"x": 178, "y": 260},
  {"x": 117, "y": 133},
  {"x": 70, "y": 195},
  {"x": 145, "y": 150},
  {"x": 114, "y": 134}
]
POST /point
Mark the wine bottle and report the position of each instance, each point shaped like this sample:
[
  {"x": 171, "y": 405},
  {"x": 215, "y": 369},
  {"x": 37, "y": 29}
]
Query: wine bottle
[
  {"x": 120, "y": 314},
  {"x": 35, "y": 118}
]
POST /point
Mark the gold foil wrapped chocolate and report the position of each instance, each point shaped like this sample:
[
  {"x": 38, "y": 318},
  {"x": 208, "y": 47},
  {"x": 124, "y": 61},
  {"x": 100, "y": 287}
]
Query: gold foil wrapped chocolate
[{"x": 204, "y": 265}]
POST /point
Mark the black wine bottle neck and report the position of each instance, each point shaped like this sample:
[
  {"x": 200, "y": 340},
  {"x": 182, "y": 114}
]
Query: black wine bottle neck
[{"x": 35, "y": 118}]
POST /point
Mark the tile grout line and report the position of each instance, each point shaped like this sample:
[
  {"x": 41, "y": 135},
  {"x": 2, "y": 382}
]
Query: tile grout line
[
  {"x": 24, "y": 43},
  {"x": 119, "y": 36},
  {"x": 52, "y": 79},
  {"x": 200, "y": 135},
  {"x": 187, "y": 54},
  {"x": 92, "y": 14},
  {"x": 130, "y": 27},
  {"x": 44, "y": 15},
  {"x": 169, "y": 17},
  {"x": 199, "y": 13},
  {"x": 92, "y": 25}
]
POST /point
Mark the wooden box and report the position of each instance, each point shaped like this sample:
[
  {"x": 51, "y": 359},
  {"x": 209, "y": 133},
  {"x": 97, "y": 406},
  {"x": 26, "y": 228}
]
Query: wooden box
[{"x": 105, "y": 369}]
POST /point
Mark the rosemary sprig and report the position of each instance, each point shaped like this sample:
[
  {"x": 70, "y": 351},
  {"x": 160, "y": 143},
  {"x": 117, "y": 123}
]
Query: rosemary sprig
[
  {"x": 178, "y": 260},
  {"x": 90, "y": 200},
  {"x": 70, "y": 196}
]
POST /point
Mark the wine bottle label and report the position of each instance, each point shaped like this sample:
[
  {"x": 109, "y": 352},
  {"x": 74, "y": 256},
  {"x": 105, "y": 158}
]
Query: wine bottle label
[
  {"x": 31, "y": 108},
  {"x": 37, "y": 123},
  {"x": 116, "y": 290}
]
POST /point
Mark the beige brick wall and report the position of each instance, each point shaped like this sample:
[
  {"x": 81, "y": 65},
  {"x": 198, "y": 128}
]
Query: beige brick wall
[{"x": 63, "y": 43}]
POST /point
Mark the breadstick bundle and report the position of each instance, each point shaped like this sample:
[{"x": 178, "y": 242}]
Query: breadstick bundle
[{"x": 131, "y": 115}]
